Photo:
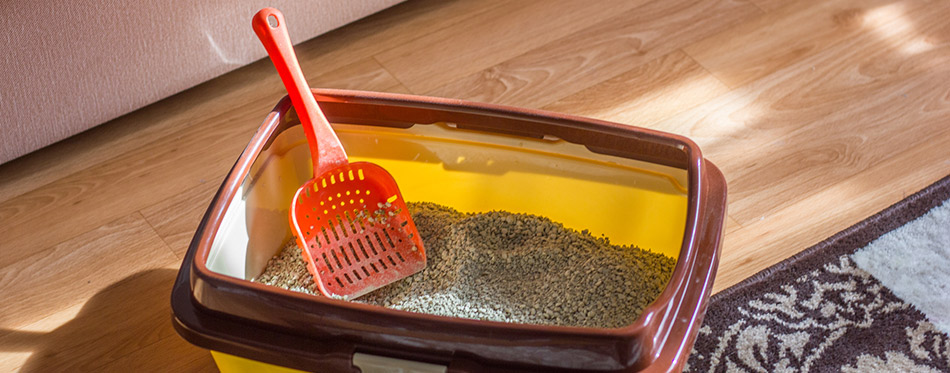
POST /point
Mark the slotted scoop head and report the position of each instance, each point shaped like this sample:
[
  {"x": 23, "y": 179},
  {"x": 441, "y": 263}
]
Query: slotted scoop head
[
  {"x": 350, "y": 220},
  {"x": 355, "y": 230}
]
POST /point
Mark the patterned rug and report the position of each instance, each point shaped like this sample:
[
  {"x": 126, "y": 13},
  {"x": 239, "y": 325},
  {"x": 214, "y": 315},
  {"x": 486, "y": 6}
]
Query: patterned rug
[{"x": 872, "y": 298}]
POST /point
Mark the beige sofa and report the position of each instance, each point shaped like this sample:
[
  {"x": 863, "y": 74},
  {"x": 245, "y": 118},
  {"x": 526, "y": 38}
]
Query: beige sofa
[{"x": 69, "y": 66}]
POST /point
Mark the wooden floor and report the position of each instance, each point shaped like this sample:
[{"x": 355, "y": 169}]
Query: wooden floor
[{"x": 819, "y": 113}]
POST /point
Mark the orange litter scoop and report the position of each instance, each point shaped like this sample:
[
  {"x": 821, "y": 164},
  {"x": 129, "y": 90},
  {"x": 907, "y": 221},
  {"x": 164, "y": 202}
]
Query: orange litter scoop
[{"x": 350, "y": 220}]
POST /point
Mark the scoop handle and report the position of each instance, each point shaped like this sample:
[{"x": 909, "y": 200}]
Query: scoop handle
[{"x": 325, "y": 148}]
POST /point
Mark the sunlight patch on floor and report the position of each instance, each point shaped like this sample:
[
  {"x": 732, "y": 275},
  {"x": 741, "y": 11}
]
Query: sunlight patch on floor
[
  {"x": 891, "y": 23},
  {"x": 12, "y": 361},
  {"x": 53, "y": 321}
]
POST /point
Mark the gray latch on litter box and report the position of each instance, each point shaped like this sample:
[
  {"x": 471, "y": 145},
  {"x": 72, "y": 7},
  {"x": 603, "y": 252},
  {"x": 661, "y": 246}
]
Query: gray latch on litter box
[{"x": 379, "y": 364}]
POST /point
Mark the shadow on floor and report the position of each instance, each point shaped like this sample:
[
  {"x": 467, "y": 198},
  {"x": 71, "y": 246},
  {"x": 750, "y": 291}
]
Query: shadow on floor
[{"x": 125, "y": 326}]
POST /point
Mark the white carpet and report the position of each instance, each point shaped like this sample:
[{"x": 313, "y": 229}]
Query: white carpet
[{"x": 913, "y": 261}]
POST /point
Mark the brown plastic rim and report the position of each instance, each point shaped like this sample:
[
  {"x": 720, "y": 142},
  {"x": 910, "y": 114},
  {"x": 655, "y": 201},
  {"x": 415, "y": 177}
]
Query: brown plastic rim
[{"x": 296, "y": 330}]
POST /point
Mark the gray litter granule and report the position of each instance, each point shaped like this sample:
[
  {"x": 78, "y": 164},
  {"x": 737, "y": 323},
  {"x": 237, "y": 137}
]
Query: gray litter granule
[{"x": 508, "y": 267}]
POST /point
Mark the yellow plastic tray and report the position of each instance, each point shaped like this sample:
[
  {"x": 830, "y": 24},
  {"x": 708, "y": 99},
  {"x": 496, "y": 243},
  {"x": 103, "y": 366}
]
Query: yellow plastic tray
[{"x": 629, "y": 202}]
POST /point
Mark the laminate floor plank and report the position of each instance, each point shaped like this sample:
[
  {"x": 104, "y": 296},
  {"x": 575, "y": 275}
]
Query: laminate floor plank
[
  {"x": 646, "y": 95},
  {"x": 69, "y": 273},
  {"x": 176, "y": 219},
  {"x": 605, "y": 50},
  {"x": 128, "y": 317},
  {"x": 827, "y": 117},
  {"x": 502, "y": 33},
  {"x": 760, "y": 244},
  {"x": 765, "y": 45}
]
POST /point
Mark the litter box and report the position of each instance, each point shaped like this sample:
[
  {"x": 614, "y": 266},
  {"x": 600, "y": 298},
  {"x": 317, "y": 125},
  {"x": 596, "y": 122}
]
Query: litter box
[{"x": 632, "y": 185}]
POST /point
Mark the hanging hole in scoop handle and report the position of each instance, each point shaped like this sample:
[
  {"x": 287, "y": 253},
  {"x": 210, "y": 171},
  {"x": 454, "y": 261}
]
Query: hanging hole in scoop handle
[{"x": 325, "y": 148}]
